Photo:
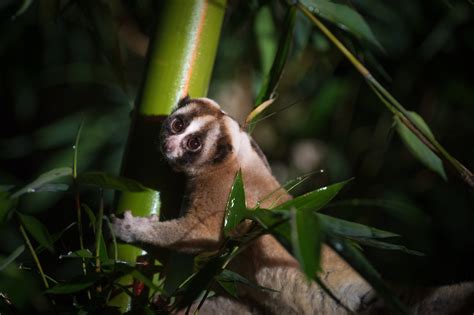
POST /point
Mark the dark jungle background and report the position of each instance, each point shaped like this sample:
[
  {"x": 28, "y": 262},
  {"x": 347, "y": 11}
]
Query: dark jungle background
[{"x": 61, "y": 66}]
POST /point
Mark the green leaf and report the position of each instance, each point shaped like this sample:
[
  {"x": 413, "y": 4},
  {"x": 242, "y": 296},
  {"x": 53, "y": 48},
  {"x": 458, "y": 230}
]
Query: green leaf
[
  {"x": 55, "y": 237},
  {"x": 200, "y": 281},
  {"x": 273, "y": 77},
  {"x": 343, "y": 17},
  {"x": 6, "y": 204},
  {"x": 313, "y": 200},
  {"x": 90, "y": 215},
  {"x": 44, "y": 179},
  {"x": 229, "y": 281},
  {"x": 11, "y": 258},
  {"x": 75, "y": 285},
  {"x": 351, "y": 229},
  {"x": 417, "y": 147},
  {"x": 265, "y": 35},
  {"x": 306, "y": 240},
  {"x": 81, "y": 253},
  {"x": 107, "y": 181},
  {"x": 37, "y": 229},
  {"x": 385, "y": 245},
  {"x": 235, "y": 210},
  {"x": 354, "y": 257}
]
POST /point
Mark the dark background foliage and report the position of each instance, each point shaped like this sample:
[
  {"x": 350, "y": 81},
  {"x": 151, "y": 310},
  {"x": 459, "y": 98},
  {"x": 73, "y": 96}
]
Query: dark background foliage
[{"x": 59, "y": 67}]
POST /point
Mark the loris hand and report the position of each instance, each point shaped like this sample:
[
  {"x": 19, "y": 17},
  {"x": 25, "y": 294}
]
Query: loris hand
[{"x": 130, "y": 228}]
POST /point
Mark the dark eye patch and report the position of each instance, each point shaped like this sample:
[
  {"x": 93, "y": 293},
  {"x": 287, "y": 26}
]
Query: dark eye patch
[{"x": 223, "y": 147}]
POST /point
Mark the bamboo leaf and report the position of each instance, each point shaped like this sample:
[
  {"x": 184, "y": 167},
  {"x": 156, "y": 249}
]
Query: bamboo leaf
[
  {"x": 354, "y": 257},
  {"x": 55, "y": 237},
  {"x": 75, "y": 285},
  {"x": 386, "y": 246},
  {"x": 81, "y": 253},
  {"x": 343, "y": 17},
  {"x": 6, "y": 204},
  {"x": 313, "y": 200},
  {"x": 417, "y": 147},
  {"x": 351, "y": 229},
  {"x": 306, "y": 240},
  {"x": 11, "y": 258},
  {"x": 43, "y": 179},
  {"x": 236, "y": 209},
  {"x": 271, "y": 81},
  {"x": 37, "y": 229},
  {"x": 229, "y": 281},
  {"x": 107, "y": 181}
]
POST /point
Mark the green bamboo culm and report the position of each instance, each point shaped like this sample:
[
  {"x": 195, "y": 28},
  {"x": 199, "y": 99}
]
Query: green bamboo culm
[{"x": 179, "y": 63}]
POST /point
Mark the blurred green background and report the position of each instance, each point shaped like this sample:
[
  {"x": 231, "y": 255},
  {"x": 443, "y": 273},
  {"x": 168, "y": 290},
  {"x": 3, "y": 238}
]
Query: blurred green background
[{"x": 62, "y": 62}]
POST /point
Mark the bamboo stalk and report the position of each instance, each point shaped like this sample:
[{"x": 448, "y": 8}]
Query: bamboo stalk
[{"x": 179, "y": 62}]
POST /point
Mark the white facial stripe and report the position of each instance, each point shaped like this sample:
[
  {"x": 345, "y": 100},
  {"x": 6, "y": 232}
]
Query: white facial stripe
[
  {"x": 234, "y": 131},
  {"x": 212, "y": 136}
]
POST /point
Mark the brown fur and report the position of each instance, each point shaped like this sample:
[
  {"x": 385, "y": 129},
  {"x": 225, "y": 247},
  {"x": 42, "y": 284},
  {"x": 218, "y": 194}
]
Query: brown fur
[{"x": 265, "y": 261}]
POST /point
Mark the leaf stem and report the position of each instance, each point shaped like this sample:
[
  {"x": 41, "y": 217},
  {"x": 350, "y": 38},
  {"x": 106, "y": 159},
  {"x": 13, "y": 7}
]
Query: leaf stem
[
  {"x": 35, "y": 257},
  {"x": 391, "y": 102}
]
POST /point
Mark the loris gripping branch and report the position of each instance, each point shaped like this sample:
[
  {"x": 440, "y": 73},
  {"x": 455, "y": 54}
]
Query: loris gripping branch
[{"x": 202, "y": 141}]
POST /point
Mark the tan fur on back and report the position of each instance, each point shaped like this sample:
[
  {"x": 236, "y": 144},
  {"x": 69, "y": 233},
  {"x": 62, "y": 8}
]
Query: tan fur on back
[{"x": 225, "y": 150}]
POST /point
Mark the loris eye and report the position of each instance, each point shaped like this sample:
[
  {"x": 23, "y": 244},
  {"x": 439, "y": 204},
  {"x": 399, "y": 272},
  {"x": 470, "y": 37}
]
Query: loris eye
[
  {"x": 177, "y": 125},
  {"x": 194, "y": 144}
]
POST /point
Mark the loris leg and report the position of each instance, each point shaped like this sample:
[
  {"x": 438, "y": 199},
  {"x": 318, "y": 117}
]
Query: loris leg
[{"x": 189, "y": 233}]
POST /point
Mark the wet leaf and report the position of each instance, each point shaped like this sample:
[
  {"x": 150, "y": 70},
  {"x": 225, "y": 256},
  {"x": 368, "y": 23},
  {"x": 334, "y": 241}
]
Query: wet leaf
[
  {"x": 43, "y": 180},
  {"x": 417, "y": 147},
  {"x": 343, "y": 17},
  {"x": 236, "y": 209},
  {"x": 107, "y": 181},
  {"x": 351, "y": 229},
  {"x": 306, "y": 239},
  {"x": 11, "y": 258},
  {"x": 37, "y": 229},
  {"x": 313, "y": 200}
]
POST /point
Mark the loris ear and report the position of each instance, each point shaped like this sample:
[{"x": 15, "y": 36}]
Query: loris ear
[{"x": 184, "y": 101}]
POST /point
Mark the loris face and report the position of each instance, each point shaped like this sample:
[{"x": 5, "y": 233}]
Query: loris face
[{"x": 198, "y": 136}]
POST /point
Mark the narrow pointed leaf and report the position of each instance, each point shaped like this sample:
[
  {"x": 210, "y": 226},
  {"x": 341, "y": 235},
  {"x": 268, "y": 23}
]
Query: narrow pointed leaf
[
  {"x": 38, "y": 230},
  {"x": 107, "y": 181},
  {"x": 271, "y": 81},
  {"x": 417, "y": 147},
  {"x": 54, "y": 238},
  {"x": 6, "y": 204},
  {"x": 236, "y": 209},
  {"x": 11, "y": 258},
  {"x": 354, "y": 257},
  {"x": 81, "y": 253},
  {"x": 313, "y": 200},
  {"x": 343, "y": 17},
  {"x": 229, "y": 281},
  {"x": 386, "y": 245},
  {"x": 306, "y": 239},
  {"x": 44, "y": 179},
  {"x": 75, "y": 285},
  {"x": 351, "y": 229}
]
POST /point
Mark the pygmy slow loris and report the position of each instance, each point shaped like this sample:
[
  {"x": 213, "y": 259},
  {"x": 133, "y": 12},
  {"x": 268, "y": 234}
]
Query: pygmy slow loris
[{"x": 202, "y": 141}]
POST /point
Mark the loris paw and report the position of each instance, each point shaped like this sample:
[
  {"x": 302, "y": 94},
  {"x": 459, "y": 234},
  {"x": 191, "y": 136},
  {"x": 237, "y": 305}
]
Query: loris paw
[{"x": 124, "y": 228}]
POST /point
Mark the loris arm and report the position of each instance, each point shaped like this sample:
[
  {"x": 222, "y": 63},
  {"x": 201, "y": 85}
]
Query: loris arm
[{"x": 188, "y": 234}]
